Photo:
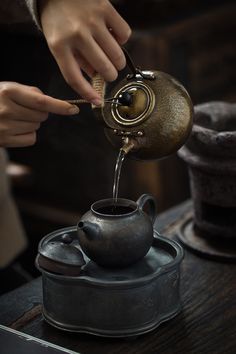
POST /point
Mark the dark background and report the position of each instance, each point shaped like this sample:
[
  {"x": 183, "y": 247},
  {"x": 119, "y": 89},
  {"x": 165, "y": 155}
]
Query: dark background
[{"x": 72, "y": 164}]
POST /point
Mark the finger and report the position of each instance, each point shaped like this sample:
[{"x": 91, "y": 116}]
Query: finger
[
  {"x": 30, "y": 98},
  {"x": 74, "y": 77},
  {"x": 22, "y": 113},
  {"x": 21, "y": 140},
  {"x": 84, "y": 65},
  {"x": 98, "y": 59},
  {"x": 118, "y": 25},
  {"x": 112, "y": 49},
  {"x": 16, "y": 127}
]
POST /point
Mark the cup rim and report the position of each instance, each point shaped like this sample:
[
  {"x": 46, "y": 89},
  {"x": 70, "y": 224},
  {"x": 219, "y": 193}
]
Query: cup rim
[{"x": 110, "y": 201}]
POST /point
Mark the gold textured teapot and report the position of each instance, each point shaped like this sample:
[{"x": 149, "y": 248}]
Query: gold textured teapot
[{"x": 148, "y": 113}]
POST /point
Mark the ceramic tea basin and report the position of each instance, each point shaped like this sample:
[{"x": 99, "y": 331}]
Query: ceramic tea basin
[{"x": 115, "y": 302}]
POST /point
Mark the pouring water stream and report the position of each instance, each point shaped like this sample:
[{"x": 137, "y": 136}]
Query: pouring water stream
[
  {"x": 119, "y": 163},
  {"x": 129, "y": 144}
]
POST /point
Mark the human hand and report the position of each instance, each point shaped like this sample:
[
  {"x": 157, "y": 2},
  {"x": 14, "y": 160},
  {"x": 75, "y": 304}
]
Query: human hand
[
  {"x": 85, "y": 35},
  {"x": 22, "y": 110}
]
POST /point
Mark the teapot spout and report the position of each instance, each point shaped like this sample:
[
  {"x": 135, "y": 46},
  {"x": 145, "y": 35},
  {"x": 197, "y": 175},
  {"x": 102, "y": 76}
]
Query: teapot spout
[
  {"x": 128, "y": 145},
  {"x": 91, "y": 230}
]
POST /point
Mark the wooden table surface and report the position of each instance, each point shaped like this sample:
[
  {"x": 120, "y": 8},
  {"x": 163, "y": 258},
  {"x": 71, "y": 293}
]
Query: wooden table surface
[{"x": 207, "y": 323}]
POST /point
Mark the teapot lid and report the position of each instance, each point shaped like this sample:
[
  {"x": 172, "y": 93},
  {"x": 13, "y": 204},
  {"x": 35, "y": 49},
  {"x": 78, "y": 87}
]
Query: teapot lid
[
  {"x": 140, "y": 105},
  {"x": 60, "y": 254}
]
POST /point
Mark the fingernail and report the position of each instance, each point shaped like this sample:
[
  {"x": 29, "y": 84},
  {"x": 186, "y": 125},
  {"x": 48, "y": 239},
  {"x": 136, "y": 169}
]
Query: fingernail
[
  {"x": 74, "y": 109},
  {"x": 97, "y": 101}
]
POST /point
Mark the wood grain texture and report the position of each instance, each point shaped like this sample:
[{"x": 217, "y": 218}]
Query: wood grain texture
[{"x": 207, "y": 323}]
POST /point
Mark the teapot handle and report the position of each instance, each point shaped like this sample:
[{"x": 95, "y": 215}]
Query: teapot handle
[
  {"x": 152, "y": 210},
  {"x": 136, "y": 71}
]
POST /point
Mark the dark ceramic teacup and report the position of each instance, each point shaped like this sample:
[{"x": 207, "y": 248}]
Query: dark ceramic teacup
[{"x": 117, "y": 233}]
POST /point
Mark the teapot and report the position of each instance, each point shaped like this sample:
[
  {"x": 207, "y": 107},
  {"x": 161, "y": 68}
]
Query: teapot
[
  {"x": 148, "y": 113},
  {"x": 117, "y": 233}
]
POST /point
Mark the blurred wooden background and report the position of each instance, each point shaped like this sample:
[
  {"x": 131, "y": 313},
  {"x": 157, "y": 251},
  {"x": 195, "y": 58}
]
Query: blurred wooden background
[{"x": 195, "y": 42}]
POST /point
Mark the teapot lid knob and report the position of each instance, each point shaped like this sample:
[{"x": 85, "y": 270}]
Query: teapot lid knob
[
  {"x": 60, "y": 253},
  {"x": 66, "y": 239}
]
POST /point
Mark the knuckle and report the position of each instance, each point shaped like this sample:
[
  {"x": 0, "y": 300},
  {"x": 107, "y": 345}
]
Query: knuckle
[
  {"x": 108, "y": 72},
  {"x": 112, "y": 77},
  {"x": 125, "y": 35},
  {"x": 93, "y": 23},
  {"x": 80, "y": 36},
  {"x": 42, "y": 116},
  {"x": 56, "y": 45},
  {"x": 75, "y": 31},
  {"x": 35, "y": 89},
  {"x": 37, "y": 126},
  {"x": 5, "y": 112},
  {"x": 119, "y": 61},
  {"x": 5, "y": 89},
  {"x": 103, "y": 5},
  {"x": 40, "y": 101},
  {"x": 128, "y": 32},
  {"x": 31, "y": 139}
]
